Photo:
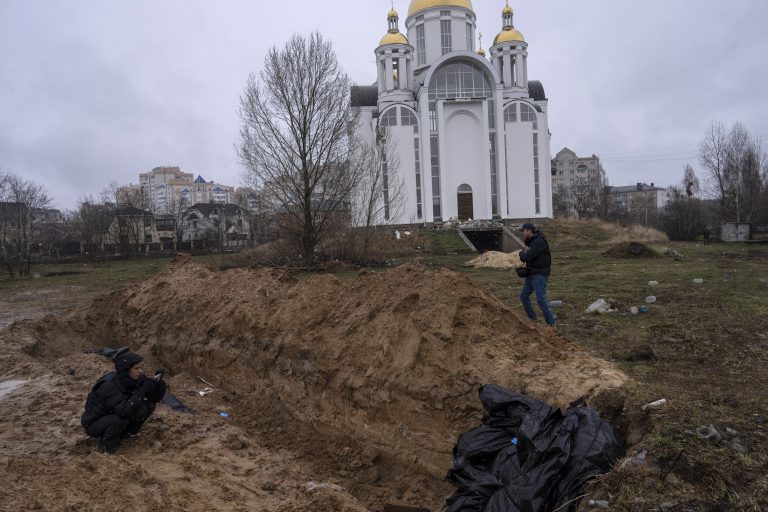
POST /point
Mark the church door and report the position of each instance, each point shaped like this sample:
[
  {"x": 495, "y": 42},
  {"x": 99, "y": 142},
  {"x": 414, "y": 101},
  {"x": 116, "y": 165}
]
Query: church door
[{"x": 466, "y": 210}]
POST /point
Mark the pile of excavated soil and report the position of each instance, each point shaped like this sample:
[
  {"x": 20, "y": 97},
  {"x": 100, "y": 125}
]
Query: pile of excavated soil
[
  {"x": 493, "y": 259},
  {"x": 365, "y": 384},
  {"x": 631, "y": 250}
]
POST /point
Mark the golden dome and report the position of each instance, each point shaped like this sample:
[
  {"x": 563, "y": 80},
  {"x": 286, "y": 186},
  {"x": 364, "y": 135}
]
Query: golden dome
[
  {"x": 509, "y": 35},
  {"x": 507, "y": 10},
  {"x": 393, "y": 14},
  {"x": 422, "y": 5},
  {"x": 480, "y": 52},
  {"x": 396, "y": 38}
]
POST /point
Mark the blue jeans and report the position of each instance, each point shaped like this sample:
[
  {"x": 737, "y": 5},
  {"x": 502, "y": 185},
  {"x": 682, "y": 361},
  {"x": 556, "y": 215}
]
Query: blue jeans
[{"x": 537, "y": 284}]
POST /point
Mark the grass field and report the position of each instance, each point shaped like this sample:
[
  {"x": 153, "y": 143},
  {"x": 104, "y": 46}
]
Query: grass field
[{"x": 703, "y": 347}]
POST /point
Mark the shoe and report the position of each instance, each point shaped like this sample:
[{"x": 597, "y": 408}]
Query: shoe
[{"x": 551, "y": 328}]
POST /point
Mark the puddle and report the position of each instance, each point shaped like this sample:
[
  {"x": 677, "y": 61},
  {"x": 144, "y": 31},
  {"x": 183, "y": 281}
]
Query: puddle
[{"x": 9, "y": 386}]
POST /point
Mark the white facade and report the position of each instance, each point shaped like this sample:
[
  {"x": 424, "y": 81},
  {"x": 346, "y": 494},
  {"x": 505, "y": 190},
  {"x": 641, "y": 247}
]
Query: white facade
[{"x": 472, "y": 134}]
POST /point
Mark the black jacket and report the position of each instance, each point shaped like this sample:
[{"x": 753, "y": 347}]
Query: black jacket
[
  {"x": 537, "y": 256},
  {"x": 118, "y": 394}
]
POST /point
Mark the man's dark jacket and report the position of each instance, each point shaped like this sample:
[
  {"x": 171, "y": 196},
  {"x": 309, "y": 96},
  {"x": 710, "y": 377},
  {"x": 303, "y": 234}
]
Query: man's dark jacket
[
  {"x": 118, "y": 394},
  {"x": 537, "y": 257}
]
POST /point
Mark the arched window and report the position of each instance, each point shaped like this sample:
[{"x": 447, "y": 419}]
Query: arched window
[
  {"x": 389, "y": 118},
  {"x": 528, "y": 115},
  {"x": 461, "y": 79}
]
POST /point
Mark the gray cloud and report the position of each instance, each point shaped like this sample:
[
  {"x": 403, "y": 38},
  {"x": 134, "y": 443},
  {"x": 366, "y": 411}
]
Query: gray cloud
[{"x": 95, "y": 91}]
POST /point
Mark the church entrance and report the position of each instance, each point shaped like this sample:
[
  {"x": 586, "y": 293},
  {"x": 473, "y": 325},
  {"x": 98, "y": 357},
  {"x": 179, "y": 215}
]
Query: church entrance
[{"x": 466, "y": 209}]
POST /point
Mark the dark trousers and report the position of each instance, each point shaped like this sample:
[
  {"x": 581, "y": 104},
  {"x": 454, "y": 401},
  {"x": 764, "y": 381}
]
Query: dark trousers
[{"x": 109, "y": 430}]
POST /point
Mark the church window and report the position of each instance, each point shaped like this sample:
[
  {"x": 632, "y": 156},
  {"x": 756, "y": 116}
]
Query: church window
[
  {"x": 536, "y": 172},
  {"x": 491, "y": 114},
  {"x": 389, "y": 118},
  {"x": 445, "y": 36},
  {"x": 527, "y": 115},
  {"x": 417, "y": 157},
  {"x": 445, "y": 14},
  {"x": 421, "y": 45},
  {"x": 432, "y": 116},
  {"x": 470, "y": 38},
  {"x": 494, "y": 176},
  {"x": 435, "y": 151},
  {"x": 460, "y": 80},
  {"x": 409, "y": 119},
  {"x": 510, "y": 114}
]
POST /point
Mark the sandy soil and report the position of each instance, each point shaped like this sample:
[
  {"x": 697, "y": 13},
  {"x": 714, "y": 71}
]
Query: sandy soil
[
  {"x": 493, "y": 259},
  {"x": 364, "y": 384}
]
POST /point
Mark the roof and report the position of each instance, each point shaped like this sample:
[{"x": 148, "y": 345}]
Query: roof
[
  {"x": 365, "y": 95},
  {"x": 199, "y": 179},
  {"x": 208, "y": 208},
  {"x": 421, "y": 5},
  {"x": 640, "y": 187},
  {"x": 536, "y": 90}
]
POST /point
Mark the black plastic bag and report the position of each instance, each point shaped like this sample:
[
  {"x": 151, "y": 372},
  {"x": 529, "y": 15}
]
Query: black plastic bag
[{"x": 528, "y": 456}]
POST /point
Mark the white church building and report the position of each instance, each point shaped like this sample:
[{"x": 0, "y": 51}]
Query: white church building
[{"x": 470, "y": 129}]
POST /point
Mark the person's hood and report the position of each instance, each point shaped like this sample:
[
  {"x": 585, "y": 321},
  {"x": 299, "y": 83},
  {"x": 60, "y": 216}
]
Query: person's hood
[{"x": 125, "y": 361}]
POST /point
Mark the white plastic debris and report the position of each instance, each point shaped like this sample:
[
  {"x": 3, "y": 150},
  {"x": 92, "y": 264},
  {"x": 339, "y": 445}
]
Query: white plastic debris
[
  {"x": 204, "y": 392},
  {"x": 651, "y": 299},
  {"x": 698, "y": 281},
  {"x": 634, "y": 311},
  {"x": 653, "y": 283},
  {"x": 658, "y": 404},
  {"x": 599, "y": 306}
]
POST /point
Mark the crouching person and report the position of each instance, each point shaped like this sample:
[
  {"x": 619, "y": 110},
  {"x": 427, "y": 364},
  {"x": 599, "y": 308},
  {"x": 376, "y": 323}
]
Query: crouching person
[{"x": 120, "y": 402}]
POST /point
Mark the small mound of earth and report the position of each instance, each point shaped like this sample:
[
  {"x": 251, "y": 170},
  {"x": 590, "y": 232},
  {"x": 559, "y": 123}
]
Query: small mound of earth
[
  {"x": 364, "y": 383},
  {"x": 493, "y": 259},
  {"x": 631, "y": 250}
]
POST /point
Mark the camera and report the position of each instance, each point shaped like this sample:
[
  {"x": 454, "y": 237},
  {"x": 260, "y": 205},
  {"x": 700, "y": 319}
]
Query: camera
[{"x": 159, "y": 374}]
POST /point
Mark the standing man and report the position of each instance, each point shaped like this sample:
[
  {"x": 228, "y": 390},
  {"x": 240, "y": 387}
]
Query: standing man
[
  {"x": 538, "y": 259},
  {"x": 120, "y": 402}
]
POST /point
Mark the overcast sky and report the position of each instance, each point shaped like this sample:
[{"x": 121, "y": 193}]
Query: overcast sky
[{"x": 99, "y": 90}]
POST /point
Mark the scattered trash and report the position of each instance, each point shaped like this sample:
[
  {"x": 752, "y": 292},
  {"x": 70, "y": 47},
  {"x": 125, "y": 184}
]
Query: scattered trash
[
  {"x": 515, "y": 441},
  {"x": 72, "y": 371},
  {"x": 644, "y": 310},
  {"x": 737, "y": 447},
  {"x": 205, "y": 391},
  {"x": 599, "y": 306},
  {"x": 205, "y": 382},
  {"x": 224, "y": 414},
  {"x": 653, "y": 283},
  {"x": 637, "y": 460},
  {"x": 598, "y": 504},
  {"x": 698, "y": 281},
  {"x": 174, "y": 403},
  {"x": 658, "y": 404},
  {"x": 651, "y": 299},
  {"x": 556, "y": 304},
  {"x": 633, "y": 311},
  {"x": 709, "y": 432},
  {"x": 313, "y": 486},
  {"x": 557, "y": 453},
  {"x": 731, "y": 432}
]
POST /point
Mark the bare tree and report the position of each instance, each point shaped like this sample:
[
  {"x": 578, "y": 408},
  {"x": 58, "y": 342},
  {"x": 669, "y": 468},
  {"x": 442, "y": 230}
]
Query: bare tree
[
  {"x": 294, "y": 136},
  {"x": 380, "y": 192},
  {"x": 736, "y": 163},
  {"x": 22, "y": 201}
]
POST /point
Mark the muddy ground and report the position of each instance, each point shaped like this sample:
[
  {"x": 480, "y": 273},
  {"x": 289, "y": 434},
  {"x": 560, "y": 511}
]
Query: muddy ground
[
  {"x": 377, "y": 415},
  {"x": 362, "y": 383}
]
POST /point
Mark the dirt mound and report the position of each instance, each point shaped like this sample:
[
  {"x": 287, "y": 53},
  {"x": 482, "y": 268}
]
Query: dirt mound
[
  {"x": 631, "y": 250},
  {"x": 366, "y": 383},
  {"x": 493, "y": 259}
]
